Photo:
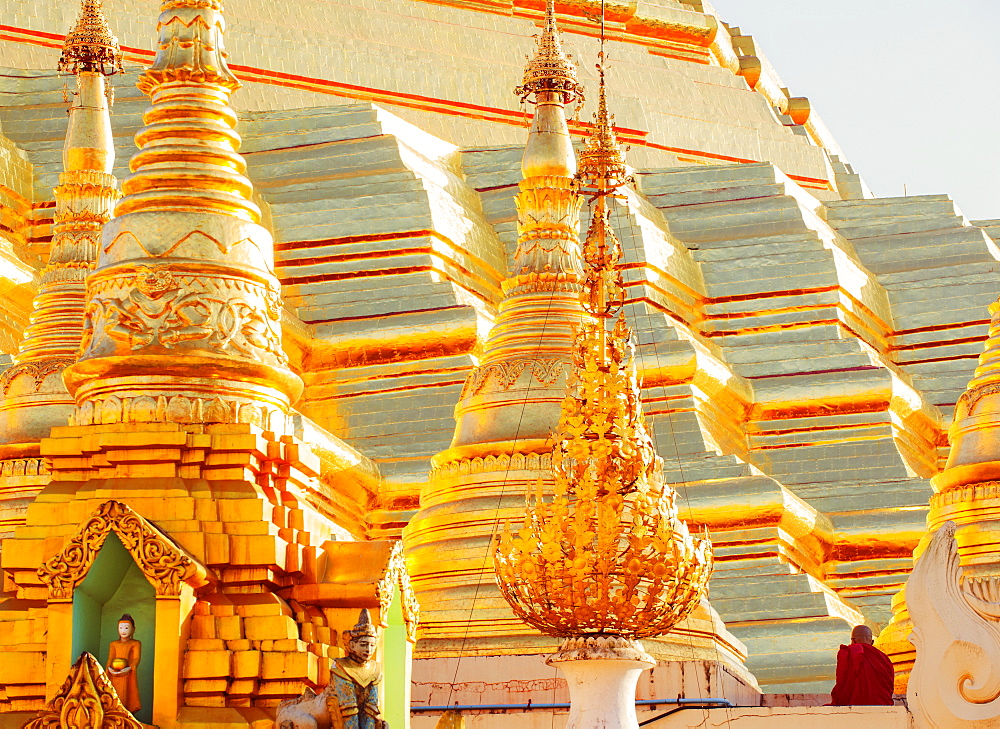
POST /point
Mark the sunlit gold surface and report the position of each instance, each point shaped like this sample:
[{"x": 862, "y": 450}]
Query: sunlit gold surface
[
  {"x": 510, "y": 402},
  {"x": 33, "y": 397},
  {"x": 86, "y": 699},
  {"x": 182, "y": 444},
  {"x": 793, "y": 355}
]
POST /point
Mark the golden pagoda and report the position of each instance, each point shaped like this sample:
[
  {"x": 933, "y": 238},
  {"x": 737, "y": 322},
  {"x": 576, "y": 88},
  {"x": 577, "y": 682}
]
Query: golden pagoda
[
  {"x": 180, "y": 491},
  {"x": 607, "y": 555},
  {"x": 510, "y": 401},
  {"x": 797, "y": 365}
]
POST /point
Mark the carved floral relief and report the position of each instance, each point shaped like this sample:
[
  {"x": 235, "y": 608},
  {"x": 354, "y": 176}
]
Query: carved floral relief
[
  {"x": 86, "y": 699},
  {"x": 161, "y": 561},
  {"x": 158, "y": 307}
]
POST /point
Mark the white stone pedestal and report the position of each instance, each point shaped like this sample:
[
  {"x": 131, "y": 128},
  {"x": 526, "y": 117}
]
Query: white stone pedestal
[{"x": 602, "y": 672}]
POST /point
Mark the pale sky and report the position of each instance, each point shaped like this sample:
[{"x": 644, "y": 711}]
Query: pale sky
[{"x": 909, "y": 88}]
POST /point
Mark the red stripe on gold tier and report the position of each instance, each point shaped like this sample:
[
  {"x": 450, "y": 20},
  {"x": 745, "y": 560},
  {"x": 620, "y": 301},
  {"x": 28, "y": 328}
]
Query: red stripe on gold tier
[{"x": 412, "y": 101}]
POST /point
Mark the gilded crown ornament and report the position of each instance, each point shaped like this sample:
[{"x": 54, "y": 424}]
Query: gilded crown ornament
[
  {"x": 90, "y": 45},
  {"x": 602, "y": 160},
  {"x": 550, "y": 69},
  {"x": 606, "y": 554}
]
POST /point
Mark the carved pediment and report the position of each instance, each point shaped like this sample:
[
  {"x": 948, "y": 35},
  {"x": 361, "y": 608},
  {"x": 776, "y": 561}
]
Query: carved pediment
[
  {"x": 163, "y": 562},
  {"x": 86, "y": 699}
]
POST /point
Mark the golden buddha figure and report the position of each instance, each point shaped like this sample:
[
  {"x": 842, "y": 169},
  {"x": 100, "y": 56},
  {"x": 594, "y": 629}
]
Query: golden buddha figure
[{"x": 123, "y": 662}]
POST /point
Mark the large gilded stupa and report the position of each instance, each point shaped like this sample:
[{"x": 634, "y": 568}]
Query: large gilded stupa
[{"x": 287, "y": 321}]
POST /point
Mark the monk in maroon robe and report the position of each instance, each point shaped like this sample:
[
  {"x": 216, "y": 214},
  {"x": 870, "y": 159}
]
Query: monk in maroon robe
[{"x": 864, "y": 673}]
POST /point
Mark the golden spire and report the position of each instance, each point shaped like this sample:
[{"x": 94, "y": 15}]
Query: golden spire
[
  {"x": 33, "y": 398},
  {"x": 90, "y": 45},
  {"x": 602, "y": 160},
  {"x": 607, "y": 554},
  {"x": 183, "y": 320}
]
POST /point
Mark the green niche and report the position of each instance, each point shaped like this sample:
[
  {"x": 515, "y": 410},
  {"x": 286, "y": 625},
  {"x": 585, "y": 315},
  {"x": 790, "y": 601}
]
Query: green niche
[
  {"x": 113, "y": 586},
  {"x": 396, "y": 663}
]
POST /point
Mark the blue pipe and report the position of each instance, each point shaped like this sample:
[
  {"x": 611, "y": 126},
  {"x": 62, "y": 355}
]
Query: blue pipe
[{"x": 532, "y": 707}]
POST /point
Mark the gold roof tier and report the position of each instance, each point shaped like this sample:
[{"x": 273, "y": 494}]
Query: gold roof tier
[
  {"x": 184, "y": 317},
  {"x": 33, "y": 397}
]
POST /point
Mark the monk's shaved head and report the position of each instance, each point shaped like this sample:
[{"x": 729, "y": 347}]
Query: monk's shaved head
[{"x": 862, "y": 634}]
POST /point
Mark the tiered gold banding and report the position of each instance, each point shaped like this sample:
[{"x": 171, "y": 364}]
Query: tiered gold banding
[{"x": 967, "y": 493}]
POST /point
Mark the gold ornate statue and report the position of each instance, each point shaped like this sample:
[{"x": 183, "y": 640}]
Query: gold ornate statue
[
  {"x": 124, "y": 655},
  {"x": 350, "y": 700}
]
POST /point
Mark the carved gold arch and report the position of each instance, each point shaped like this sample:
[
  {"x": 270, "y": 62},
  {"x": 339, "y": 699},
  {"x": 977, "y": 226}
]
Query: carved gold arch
[
  {"x": 86, "y": 699},
  {"x": 164, "y": 564}
]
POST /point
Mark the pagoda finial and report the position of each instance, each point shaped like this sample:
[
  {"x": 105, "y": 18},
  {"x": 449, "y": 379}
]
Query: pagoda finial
[
  {"x": 602, "y": 159},
  {"x": 550, "y": 70},
  {"x": 550, "y": 80},
  {"x": 91, "y": 46}
]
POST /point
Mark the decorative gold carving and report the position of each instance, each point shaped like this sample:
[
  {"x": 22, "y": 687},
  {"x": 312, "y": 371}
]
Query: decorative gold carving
[
  {"x": 90, "y": 45},
  {"x": 548, "y": 215},
  {"x": 550, "y": 69},
  {"x": 23, "y": 467},
  {"x": 163, "y": 563},
  {"x": 86, "y": 700},
  {"x": 503, "y": 463},
  {"x": 982, "y": 491},
  {"x": 505, "y": 374},
  {"x": 607, "y": 554},
  {"x": 602, "y": 160},
  {"x": 38, "y": 372},
  {"x": 956, "y": 632},
  {"x": 164, "y": 309},
  {"x": 396, "y": 576},
  {"x": 176, "y": 409},
  {"x": 191, "y": 47}
]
